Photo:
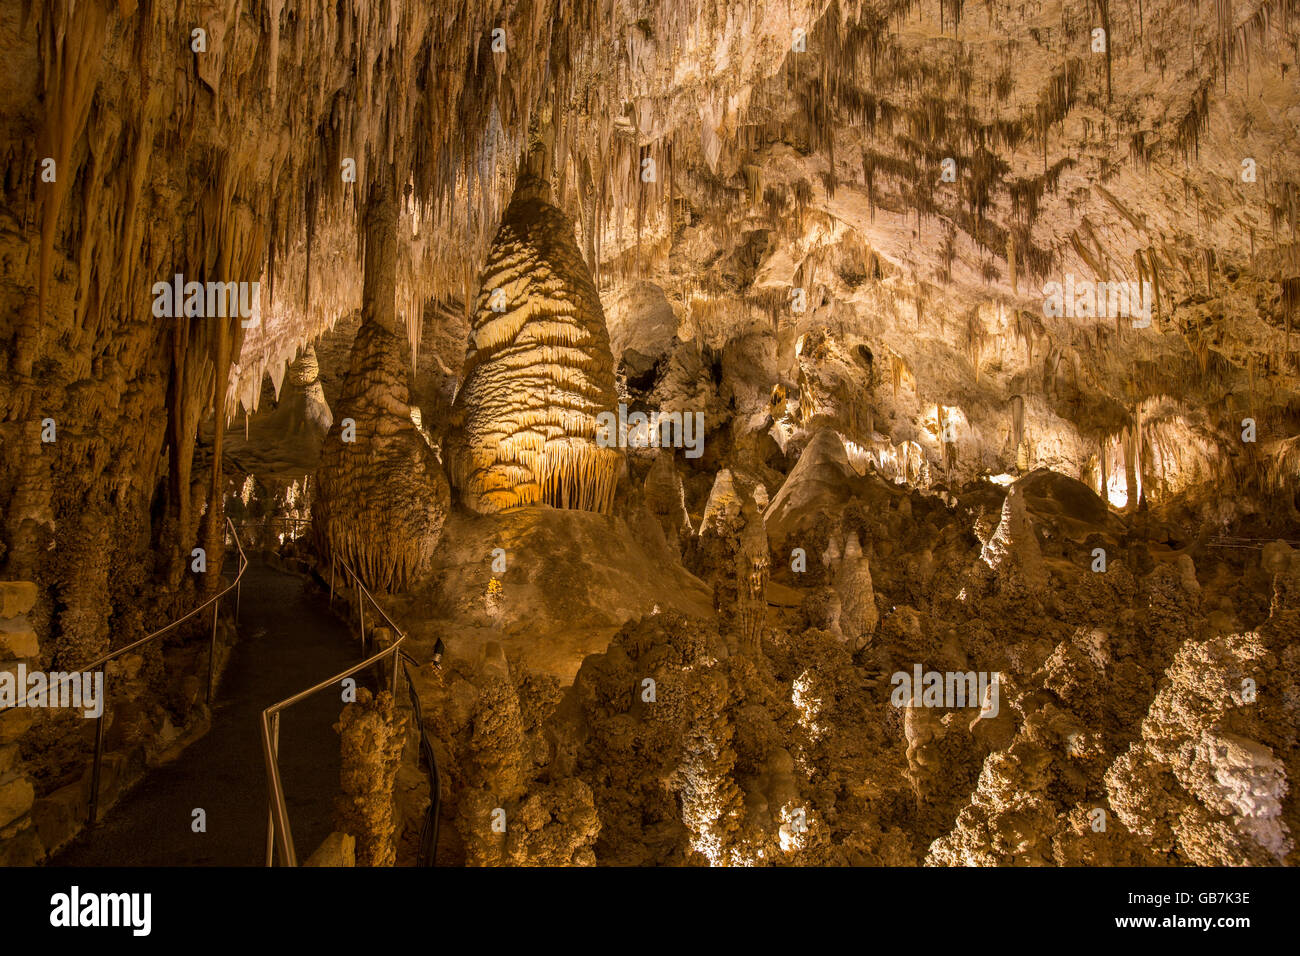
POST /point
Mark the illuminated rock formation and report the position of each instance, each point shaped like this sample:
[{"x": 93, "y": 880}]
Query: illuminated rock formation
[
  {"x": 371, "y": 732},
  {"x": 538, "y": 373},
  {"x": 1212, "y": 778},
  {"x": 731, "y": 554},
  {"x": 382, "y": 497},
  {"x": 827, "y": 228},
  {"x": 665, "y": 498},
  {"x": 834, "y": 384},
  {"x": 1013, "y": 545},
  {"x": 858, "y": 616},
  {"x": 304, "y": 407}
]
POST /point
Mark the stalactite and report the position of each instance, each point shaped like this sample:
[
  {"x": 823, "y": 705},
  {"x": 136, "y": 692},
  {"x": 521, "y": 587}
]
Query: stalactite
[
  {"x": 1017, "y": 423},
  {"x": 1290, "y": 304},
  {"x": 214, "y": 535},
  {"x": 72, "y": 60},
  {"x": 1012, "y": 274},
  {"x": 1131, "y": 466},
  {"x": 1103, "y": 10},
  {"x": 1104, "y": 462}
]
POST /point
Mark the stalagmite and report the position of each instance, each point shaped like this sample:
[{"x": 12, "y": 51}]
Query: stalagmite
[
  {"x": 381, "y": 497},
  {"x": 753, "y": 568},
  {"x": 304, "y": 407},
  {"x": 1017, "y": 426},
  {"x": 858, "y": 614},
  {"x": 1013, "y": 546},
  {"x": 665, "y": 498},
  {"x": 667, "y": 669},
  {"x": 538, "y": 373}
]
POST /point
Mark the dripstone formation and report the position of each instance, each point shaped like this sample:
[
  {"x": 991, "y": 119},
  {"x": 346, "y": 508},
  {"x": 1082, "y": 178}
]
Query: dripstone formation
[
  {"x": 382, "y": 498},
  {"x": 382, "y": 494},
  {"x": 538, "y": 373}
]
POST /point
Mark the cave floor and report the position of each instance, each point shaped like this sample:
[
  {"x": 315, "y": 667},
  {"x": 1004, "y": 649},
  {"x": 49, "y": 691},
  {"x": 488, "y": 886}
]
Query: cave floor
[{"x": 288, "y": 641}]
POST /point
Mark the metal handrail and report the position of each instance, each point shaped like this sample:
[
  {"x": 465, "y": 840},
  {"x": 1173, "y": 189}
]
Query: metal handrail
[
  {"x": 214, "y": 601},
  {"x": 1240, "y": 541},
  {"x": 291, "y": 524},
  {"x": 278, "y": 831},
  {"x": 286, "y": 519}
]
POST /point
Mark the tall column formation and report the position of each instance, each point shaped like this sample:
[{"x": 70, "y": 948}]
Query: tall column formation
[
  {"x": 381, "y": 495},
  {"x": 538, "y": 373}
]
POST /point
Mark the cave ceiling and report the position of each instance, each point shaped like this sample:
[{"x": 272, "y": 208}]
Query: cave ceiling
[{"x": 912, "y": 175}]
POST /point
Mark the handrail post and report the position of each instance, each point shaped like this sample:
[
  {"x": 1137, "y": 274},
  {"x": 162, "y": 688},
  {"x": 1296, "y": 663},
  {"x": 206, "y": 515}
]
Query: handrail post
[
  {"x": 331, "y": 580},
  {"x": 100, "y": 665},
  {"x": 278, "y": 832},
  {"x": 239, "y": 575},
  {"x": 279, "y": 810},
  {"x": 212, "y": 649},
  {"x": 99, "y": 755},
  {"x": 270, "y": 800}
]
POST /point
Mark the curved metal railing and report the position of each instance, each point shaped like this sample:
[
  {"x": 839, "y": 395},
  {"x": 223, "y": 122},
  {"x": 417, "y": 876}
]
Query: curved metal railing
[
  {"x": 1239, "y": 541},
  {"x": 278, "y": 831},
  {"x": 101, "y": 662}
]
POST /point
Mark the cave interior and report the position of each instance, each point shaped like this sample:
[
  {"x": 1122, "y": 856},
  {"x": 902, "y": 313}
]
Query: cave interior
[{"x": 816, "y": 432}]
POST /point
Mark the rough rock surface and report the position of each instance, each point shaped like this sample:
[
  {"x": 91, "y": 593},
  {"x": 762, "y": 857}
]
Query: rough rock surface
[
  {"x": 370, "y": 733},
  {"x": 828, "y": 226},
  {"x": 570, "y": 580},
  {"x": 538, "y": 373},
  {"x": 381, "y": 498}
]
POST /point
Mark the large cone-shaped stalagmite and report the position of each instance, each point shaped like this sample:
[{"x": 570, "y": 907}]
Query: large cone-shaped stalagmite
[{"x": 539, "y": 371}]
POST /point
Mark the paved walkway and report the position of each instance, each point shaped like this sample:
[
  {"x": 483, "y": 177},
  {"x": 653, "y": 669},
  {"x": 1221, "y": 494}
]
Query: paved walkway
[{"x": 289, "y": 640}]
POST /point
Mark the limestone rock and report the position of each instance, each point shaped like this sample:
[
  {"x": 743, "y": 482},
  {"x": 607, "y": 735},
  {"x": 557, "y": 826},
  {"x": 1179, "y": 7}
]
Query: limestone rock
[
  {"x": 339, "y": 849},
  {"x": 16, "y": 597},
  {"x": 538, "y": 374},
  {"x": 303, "y": 407},
  {"x": 370, "y": 733},
  {"x": 381, "y": 499},
  {"x": 858, "y": 615},
  {"x": 17, "y": 641},
  {"x": 1013, "y": 547},
  {"x": 16, "y": 798},
  {"x": 1190, "y": 786}
]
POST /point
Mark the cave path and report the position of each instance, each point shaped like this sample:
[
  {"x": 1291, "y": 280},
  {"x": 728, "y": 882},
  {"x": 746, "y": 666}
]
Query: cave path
[{"x": 289, "y": 640}]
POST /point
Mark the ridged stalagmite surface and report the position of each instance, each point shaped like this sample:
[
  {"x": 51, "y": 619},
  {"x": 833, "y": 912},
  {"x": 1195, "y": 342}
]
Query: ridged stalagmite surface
[
  {"x": 538, "y": 374},
  {"x": 383, "y": 498}
]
